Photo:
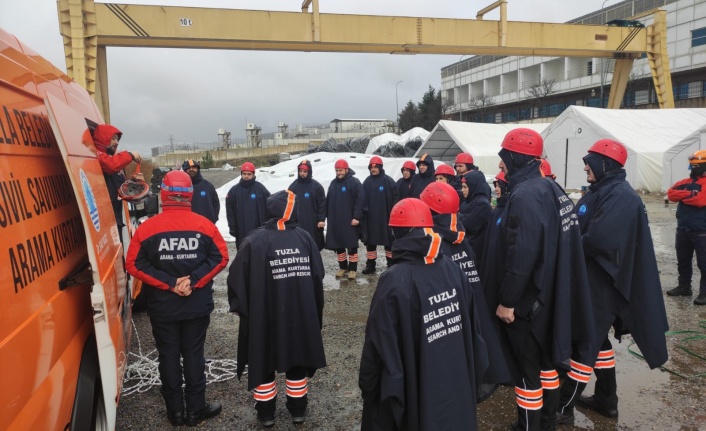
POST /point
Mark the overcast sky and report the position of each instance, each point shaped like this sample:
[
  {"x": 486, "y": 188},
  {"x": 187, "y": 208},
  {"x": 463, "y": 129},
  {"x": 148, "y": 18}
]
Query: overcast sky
[{"x": 190, "y": 94}]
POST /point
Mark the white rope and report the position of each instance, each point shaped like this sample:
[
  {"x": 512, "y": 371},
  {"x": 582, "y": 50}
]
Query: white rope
[{"x": 142, "y": 371}]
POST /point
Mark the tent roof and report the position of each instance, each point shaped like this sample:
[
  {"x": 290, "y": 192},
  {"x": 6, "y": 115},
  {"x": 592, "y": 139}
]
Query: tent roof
[
  {"x": 450, "y": 138},
  {"x": 641, "y": 130}
]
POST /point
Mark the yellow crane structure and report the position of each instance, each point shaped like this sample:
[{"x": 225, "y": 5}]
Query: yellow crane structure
[{"x": 88, "y": 28}]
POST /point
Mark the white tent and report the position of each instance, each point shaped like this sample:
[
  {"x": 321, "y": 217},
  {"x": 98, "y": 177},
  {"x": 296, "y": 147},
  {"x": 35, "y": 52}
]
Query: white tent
[
  {"x": 481, "y": 140},
  {"x": 676, "y": 158},
  {"x": 650, "y": 135}
]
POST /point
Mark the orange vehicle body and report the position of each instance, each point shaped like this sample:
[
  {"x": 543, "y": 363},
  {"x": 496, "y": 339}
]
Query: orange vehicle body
[{"x": 66, "y": 302}]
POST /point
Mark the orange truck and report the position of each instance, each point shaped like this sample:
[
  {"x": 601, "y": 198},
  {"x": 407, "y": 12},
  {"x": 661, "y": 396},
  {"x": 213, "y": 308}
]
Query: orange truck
[{"x": 66, "y": 301}]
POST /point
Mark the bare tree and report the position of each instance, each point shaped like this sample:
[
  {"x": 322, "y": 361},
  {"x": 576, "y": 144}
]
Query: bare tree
[
  {"x": 540, "y": 91},
  {"x": 481, "y": 103}
]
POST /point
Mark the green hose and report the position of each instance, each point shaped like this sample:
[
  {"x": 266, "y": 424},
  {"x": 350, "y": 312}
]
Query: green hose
[{"x": 696, "y": 336}]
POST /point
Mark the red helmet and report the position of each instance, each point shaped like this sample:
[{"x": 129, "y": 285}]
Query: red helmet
[
  {"x": 176, "y": 188},
  {"x": 444, "y": 169},
  {"x": 440, "y": 197},
  {"x": 464, "y": 158},
  {"x": 610, "y": 148},
  {"x": 341, "y": 164},
  {"x": 247, "y": 167},
  {"x": 411, "y": 212},
  {"x": 523, "y": 141},
  {"x": 375, "y": 160},
  {"x": 500, "y": 177},
  {"x": 409, "y": 165},
  {"x": 546, "y": 168}
]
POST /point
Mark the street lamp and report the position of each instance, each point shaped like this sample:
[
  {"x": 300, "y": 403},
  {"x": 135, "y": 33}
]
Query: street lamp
[
  {"x": 458, "y": 73},
  {"x": 397, "y": 107}
]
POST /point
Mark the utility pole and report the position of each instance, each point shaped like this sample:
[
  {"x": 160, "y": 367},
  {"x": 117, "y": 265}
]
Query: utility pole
[{"x": 397, "y": 107}]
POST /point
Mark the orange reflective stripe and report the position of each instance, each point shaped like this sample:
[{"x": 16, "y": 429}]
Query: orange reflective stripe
[
  {"x": 454, "y": 222},
  {"x": 579, "y": 377},
  {"x": 551, "y": 374},
  {"x": 604, "y": 354},
  {"x": 341, "y": 257},
  {"x": 265, "y": 387},
  {"x": 424, "y": 156},
  {"x": 577, "y": 366},
  {"x": 605, "y": 364},
  {"x": 287, "y": 211},
  {"x": 434, "y": 247},
  {"x": 529, "y": 399},
  {"x": 353, "y": 257},
  {"x": 265, "y": 392}
]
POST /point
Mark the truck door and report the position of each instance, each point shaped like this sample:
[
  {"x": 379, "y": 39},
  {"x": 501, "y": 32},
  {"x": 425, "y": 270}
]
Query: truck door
[{"x": 110, "y": 296}]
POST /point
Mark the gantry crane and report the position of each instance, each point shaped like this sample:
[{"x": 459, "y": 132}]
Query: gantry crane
[{"x": 88, "y": 28}]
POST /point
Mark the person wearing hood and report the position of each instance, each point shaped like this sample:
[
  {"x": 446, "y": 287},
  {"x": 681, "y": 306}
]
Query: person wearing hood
[
  {"x": 535, "y": 281},
  {"x": 443, "y": 202},
  {"x": 205, "y": 200},
  {"x": 312, "y": 202},
  {"x": 275, "y": 285},
  {"x": 380, "y": 196},
  {"x": 177, "y": 254},
  {"x": 113, "y": 163},
  {"x": 423, "y": 354},
  {"x": 622, "y": 272},
  {"x": 245, "y": 204},
  {"x": 408, "y": 170},
  {"x": 691, "y": 227},
  {"x": 425, "y": 165},
  {"x": 464, "y": 165},
  {"x": 344, "y": 211},
  {"x": 475, "y": 209}
]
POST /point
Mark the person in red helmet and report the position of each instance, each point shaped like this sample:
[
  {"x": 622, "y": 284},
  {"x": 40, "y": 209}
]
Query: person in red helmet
[
  {"x": 626, "y": 293},
  {"x": 403, "y": 184},
  {"x": 465, "y": 168},
  {"x": 443, "y": 202},
  {"x": 380, "y": 196},
  {"x": 245, "y": 204},
  {"x": 312, "y": 202},
  {"x": 423, "y": 355},
  {"x": 536, "y": 283},
  {"x": 275, "y": 284},
  {"x": 113, "y": 164},
  {"x": 177, "y": 254},
  {"x": 444, "y": 173},
  {"x": 344, "y": 211}
]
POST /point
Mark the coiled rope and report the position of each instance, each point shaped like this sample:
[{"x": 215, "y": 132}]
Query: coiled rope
[{"x": 142, "y": 371}]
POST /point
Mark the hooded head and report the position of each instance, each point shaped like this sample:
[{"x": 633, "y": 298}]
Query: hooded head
[
  {"x": 282, "y": 209},
  {"x": 697, "y": 164},
  {"x": 304, "y": 170},
  {"x": 605, "y": 156},
  {"x": 476, "y": 183},
  {"x": 192, "y": 167},
  {"x": 106, "y": 138},
  {"x": 425, "y": 165}
]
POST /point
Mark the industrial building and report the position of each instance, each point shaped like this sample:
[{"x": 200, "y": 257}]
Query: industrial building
[{"x": 499, "y": 89}]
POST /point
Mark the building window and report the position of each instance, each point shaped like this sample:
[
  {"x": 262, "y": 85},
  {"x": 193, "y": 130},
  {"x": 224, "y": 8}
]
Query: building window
[
  {"x": 694, "y": 89},
  {"x": 642, "y": 97},
  {"x": 589, "y": 70},
  {"x": 698, "y": 37}
]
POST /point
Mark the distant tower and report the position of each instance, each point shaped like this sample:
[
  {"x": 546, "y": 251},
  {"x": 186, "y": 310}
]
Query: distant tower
[
  {"x": 252, "y": 134},
  {"x": 223, "y": 138},
  {"x": 282, "y": 128}
]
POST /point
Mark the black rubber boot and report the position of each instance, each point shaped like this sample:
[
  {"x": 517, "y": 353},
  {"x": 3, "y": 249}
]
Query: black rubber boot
[
  {"x": 683, "y": 289},
  {"x": 700, "y": 300},
  {"x": 369, "y": 267}
]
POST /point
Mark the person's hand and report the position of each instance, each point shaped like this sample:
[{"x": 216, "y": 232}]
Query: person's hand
[
  {"x": 183, "y": 286},
  {"x": 139, "y": 176},
  {"x": 321, "y": 225},
  {"x": 355, "y": 222},
  {"x": 505, "y": 314},
  {"x": 136, "y": 156}
]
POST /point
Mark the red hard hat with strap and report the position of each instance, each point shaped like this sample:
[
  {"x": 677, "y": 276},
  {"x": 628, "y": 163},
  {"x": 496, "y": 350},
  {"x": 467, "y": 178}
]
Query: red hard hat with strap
[
  {"x": 411, "y": 212},
  {"x": 409, "y": 165},
  {"x": 464, "y": 158},
  {"x": 176, "y": 188},
  {"x": 440, "y": 197},
  {"x": 247, "y": 167},
  {"x": 134, "y": 189},
  {"x": 341, "y": 164},
  {"x": 610, "y": 148},
  {"x": 375, "y": 160},
  {"x": 523, "y": 141},
  {"x": 444, "y": 169}
]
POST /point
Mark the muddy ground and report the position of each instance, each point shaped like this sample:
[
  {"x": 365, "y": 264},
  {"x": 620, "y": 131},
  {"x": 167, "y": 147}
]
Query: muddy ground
[{"x": 649, "y": 400}]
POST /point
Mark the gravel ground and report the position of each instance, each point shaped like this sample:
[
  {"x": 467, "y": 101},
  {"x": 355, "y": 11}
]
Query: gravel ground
[{"x": 649, "y": 400}]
